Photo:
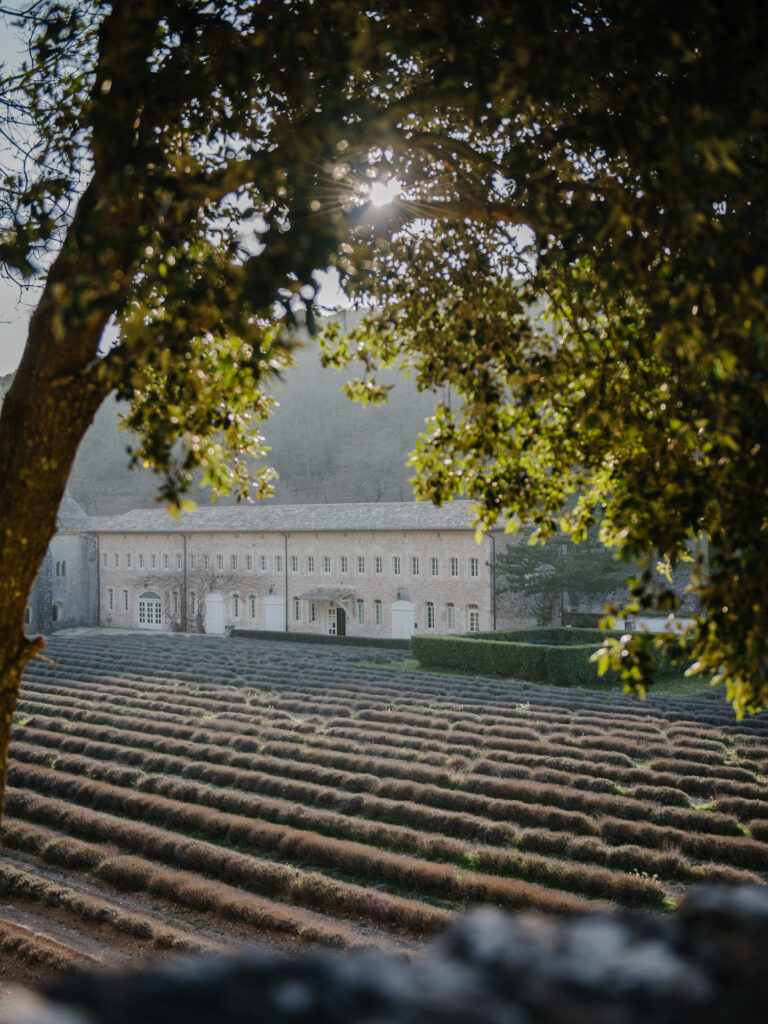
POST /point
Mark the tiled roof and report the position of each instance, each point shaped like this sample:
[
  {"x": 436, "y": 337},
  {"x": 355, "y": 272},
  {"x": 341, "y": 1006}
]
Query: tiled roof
[
  {"x": 72, "y": 517},
  {"x": 384, "y": 516}
]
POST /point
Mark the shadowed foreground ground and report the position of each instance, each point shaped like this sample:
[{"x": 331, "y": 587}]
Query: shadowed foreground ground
[{"x": 705, "y": 964}]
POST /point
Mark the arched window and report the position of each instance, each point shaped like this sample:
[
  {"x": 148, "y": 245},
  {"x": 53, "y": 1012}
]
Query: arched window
[
  {"x": 450, "y": 615},
  {"x": 63, "y": 568},
  {"x": 473, "y": 618},
  {"x": 58, "y": 568},
  {"x": 252, "y": 606},
  {"x": 430, "y": 615},
  {"x": 56, "y": 613},
  {"x": 150, "y": 610},
  {"x": 236, "y": 606}
]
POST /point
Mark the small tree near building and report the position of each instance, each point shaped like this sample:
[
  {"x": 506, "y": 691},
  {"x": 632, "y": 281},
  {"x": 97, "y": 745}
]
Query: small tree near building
[{"x": 559, "y": 574}]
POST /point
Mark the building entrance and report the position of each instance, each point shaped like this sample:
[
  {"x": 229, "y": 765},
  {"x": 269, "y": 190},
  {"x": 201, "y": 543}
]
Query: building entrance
[
  {"x": 150, "y": 610},
  {"x": 337, "y": 622}
]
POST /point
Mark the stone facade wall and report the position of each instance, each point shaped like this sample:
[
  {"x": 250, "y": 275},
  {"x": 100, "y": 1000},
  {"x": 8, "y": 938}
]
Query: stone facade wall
[
  {"x": 247, "y": 568},
  {"x": 65, "y": 593}
]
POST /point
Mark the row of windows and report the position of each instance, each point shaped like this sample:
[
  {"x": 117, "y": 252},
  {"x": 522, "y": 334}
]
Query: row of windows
[
  {"x": 326, "y": 564},
  {"x": 473, "y": 612},
  {"x": 124, "y": 600},
  {"x": 155, "y": 561},
  {"x": 56, "y": 611}
]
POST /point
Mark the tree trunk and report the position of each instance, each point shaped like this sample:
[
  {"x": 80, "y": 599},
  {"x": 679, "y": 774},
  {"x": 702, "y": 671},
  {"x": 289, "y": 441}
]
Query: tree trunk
[
  {"x": 55, "y": 393},
  {"x": 43, "y": 419},
  {"x": 49, "y": 407}
]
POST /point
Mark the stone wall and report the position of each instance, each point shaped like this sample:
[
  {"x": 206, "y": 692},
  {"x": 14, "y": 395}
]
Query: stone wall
[
  {"x": 231, "y": 564},
  {"x": 704, "y": 965}
]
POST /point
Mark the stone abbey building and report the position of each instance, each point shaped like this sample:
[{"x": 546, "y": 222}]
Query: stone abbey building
[{"x": 375, "y": 570}]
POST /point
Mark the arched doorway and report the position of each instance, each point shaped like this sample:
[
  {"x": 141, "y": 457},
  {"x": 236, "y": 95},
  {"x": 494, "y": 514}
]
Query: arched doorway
[
  {"x": 214, "y": 614},
  {"x": 402, "y": 619},
  {"x": 274, "y": 613},
  {"x": 150, "y": 610},
  {"x": 337, "y": 621}
]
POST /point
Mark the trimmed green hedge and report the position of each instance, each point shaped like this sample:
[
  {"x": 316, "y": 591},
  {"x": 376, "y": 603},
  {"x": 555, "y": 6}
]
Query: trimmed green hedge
[
  {"x": 560, "y": 657},
  {"x": 322, "y": 638},
  {"x": 557, "y": 636},
  {"x": 526, "y": 661},
  {"x": 570, "y": 666}
]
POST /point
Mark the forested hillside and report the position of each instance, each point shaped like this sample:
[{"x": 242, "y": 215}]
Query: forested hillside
[{"x": 325, "y": 448}]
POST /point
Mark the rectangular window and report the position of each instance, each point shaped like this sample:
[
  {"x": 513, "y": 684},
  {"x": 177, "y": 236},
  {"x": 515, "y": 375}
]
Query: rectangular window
[
  {"x": 454, "y": 567},
  {"x": 278, "y": 563},
  {"x": 360, "y": 612},
  {"x": 235, "y": 606},
  {"x": 344, "y": 564},
  {"x": 125, "y": 600},
  {"x": 474, "y": 567},
  {"x": 310, "y": 567},
  {"x": 450, "y": 616},
  {"x": 178, "y": 561},
  {"x": 294, "y": 563},
  {"x": 252, "y": 605},
  {"x": 296, "y": 610},
  {"x": 263, "y": 563},
  {"x": 434, "y": 567},
  {"x": 249, "y": 562},
  {"x": 233, "y": 562},
  {"x": 154, "y": 561},
  {"x": 473, "y": 618},
  {"x": 175, "y": 602},
  {"x": 128, "y": 561},
  {"x": 220, "y": 562},
  {"x": 206, "y": 561},
  {"x": 396, "y": 565},
  {"x": 117, "y": 560},
  {"x": 313, "y": 612},
  {"x": 377, "y": 612},
  {"x": 191, "y": 561},
  {"x": 192, "y": 603},
  {"x": 165, "y": 561},
  {"x": 360, "y": 564},
  {"x": 104, "y": 559},
  {"x": 110, "y": 598},
  {"x": 378, "y": 565},
  {"x": 414, "y": 566},
  {"x": 141, "y": 561},
  {"x": 430, "y": 615},
  {"x": 326, "y": 563}
]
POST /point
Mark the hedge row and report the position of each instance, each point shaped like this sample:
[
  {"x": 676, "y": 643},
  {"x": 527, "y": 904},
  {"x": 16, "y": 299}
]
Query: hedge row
[
  {"x": 553, "y": 655},
  {"x": 537, "y": 662},
  {"x": 554, "y": 636},
  {"x": 389, "y": 642}
]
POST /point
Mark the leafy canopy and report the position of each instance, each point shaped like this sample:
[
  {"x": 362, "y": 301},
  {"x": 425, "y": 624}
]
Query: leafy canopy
[{"x": 577, "y": 252}]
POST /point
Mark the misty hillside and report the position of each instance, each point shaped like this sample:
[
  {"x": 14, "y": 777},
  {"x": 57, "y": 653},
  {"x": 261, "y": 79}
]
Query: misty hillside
[{"x": 325, "y": 448}]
